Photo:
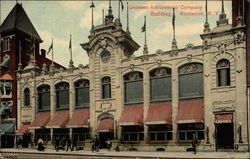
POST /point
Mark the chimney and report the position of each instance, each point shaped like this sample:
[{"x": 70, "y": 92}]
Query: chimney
[{"x": 43, "y": 53}]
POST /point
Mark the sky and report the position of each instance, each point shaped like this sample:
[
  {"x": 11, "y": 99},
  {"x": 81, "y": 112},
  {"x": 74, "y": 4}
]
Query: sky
[{"x": 59, "y": 19}]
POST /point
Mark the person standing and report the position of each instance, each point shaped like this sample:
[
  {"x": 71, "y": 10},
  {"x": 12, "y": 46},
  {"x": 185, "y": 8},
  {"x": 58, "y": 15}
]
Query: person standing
[
  {"x": 57, "y": 144},
  {"x": 68, "y": 143},
  {"x": 97, "y": 144},
  {"x": 108, "y": 142},
  {"x": 40, "y": 145},
  {"x": 74, "y": 144},
  {"x": 194, "y": 143}
]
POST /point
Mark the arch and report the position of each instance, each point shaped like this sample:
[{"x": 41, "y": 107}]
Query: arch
[
  {"x": 166, "y": 71},
  {"x": 223, "y": 72},
  {"x": 186, "y": 61},
  {"x": 43, "y": 83},
  {"x": 74, "y": 80},
  {"x": 228, "y": 56},
  {"x": 59, "y": 81},
  {"x": 104, "y": 116},
  {"x": 134, "y": 69},
  {"x": 97, "y": 38},
  {"x": 156, "y": 65},
  {"x": 26, "y": 94}
]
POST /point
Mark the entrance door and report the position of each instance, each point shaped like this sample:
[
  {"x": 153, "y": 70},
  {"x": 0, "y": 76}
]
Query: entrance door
[
  {"x": 224, "y": 136},
  {"x": 103, "y": 137}
]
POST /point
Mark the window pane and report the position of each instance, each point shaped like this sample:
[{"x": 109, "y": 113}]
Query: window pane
[
  {"x": 191, "y": 85},
  {"x": 44, "y": 100},
  {"x": 181, "y": 135},
  {"x": 82, "y": 96},
  {"x": 162, "y": 84},
  {"x": 106, "y": 91},
  {"x": 152, "y": 136},
  {"x": 161, "y": 136},
  {"x": 190, "y": 135},
  {"x": 134, "y": 91},
  {"x": 63, "y": 99},
  {"x": 169, "y": 136},
  {"x": 200, "y": 135}
]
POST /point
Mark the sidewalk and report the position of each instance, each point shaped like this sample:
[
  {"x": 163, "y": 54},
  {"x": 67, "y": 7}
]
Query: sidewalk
[{"x": 133, "y": 154}]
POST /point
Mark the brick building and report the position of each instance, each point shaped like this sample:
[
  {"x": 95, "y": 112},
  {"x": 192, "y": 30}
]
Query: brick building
[{"x": 19, "y": 40}]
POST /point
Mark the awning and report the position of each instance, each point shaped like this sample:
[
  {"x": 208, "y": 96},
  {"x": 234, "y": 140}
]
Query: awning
[
  {"x": 190, "y": 112},
  {"x": 40, "y": 121},
  {"x": 6, "y": 77},
  {"x": 131, "y": 115},
  {"x": 7, "y": 128},
  {"x": 159, "y": 114},
  {"x": 79, "y": 119},
  {"x": 223, "y": 118},
  {"x": 23, "y": 130},
  {"x": 106, "y": 125},
  {"x": 59, "y": 120}
]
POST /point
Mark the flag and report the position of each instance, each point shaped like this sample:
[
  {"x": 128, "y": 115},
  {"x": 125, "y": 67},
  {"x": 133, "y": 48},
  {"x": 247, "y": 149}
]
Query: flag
[
  {"x": 70, "y": 43},
  {"x": 122, "y": 4},
  {"x": 173, "y": 20},
  {"x": 92, "y": 5},
  {"x": 143, "y": 28},
  {"x": 51, "y": 47}
]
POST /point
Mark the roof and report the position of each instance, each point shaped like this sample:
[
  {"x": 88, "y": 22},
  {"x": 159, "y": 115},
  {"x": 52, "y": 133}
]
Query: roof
[{"x": 18, "y": 19}]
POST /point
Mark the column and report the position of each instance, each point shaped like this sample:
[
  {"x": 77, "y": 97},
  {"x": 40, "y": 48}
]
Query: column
[
  {"x": 175, "y": 99},
  {"x": 71, "y": 98},
  {"x": 52, "y": 100},
  {"x": 71, "y": 133},
  {"x": 146, "y": 96}
]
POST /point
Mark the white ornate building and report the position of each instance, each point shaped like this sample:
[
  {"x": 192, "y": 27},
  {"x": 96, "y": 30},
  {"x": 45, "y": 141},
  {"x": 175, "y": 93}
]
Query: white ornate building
[{"x": 151, "y": 102}]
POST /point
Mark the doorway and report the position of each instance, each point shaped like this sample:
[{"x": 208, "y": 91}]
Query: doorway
[
  {"x": 103, "y": 137},
  {"x": 224, "y": 136}
]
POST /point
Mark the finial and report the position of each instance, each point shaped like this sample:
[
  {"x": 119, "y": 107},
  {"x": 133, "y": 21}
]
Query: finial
[
  {"x": 109, "y": 18},
  {"x": 127, "y": 20},
  {"x": 206, "y": 25},
  {"x": 222, "y": 17}
]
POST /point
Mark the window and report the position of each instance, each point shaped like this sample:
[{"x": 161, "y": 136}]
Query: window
[
  {"x": 186, "y": 131},
  {"x": 132, "y": 133},
  {"x": 82, "y": 93},
  {"x": 80, "y": 134},
  {"x": 43, "y": 134},
  {"x": 62, "y": 94},
  {"x": 106, "y": 87},
  {"x": 26, "y": 97},
  {"x": 160, "y": 84},
  {"x": 133, "y": 83},
  {"x": 191, "y": 81},
  {"x": 43, "y": 97},
  {"x": 223, "y": 73},
  {"x": 6, "y": 44},
  {"x": 160, "y": 132},
  {"x": 6, "y": 87}
]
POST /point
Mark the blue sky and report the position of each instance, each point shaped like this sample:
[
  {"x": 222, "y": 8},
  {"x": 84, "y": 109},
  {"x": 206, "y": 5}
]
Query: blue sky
[{"x": 59, "y": 19}]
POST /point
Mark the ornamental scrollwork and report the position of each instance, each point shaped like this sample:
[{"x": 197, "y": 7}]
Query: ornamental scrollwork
[
  {"x": 191, "y": 68},
  {"x": 160, "y": 72}
]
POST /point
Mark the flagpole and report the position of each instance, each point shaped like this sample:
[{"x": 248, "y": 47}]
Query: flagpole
[
  {"x": 70, "y": 49},
  {"x": 52, "y": 54},
  {"x": 174, "y": 22},
  {"x": 20, "y": 51},
  {"x": 103, "y": 16},
  {"x": 127, "y": 20},
  {"x": 119, "y": 9},
  {"x": 92, "y": 7},
  {"x": 145, "y": 30}
]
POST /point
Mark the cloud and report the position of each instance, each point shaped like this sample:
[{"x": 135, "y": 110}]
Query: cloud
[{"x": 74, "y": 5}]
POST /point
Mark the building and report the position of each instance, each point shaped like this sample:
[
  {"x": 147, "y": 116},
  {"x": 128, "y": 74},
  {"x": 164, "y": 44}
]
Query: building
[
  {"x": 18, "y": 37},
  {"x": 153, "y": 102}
]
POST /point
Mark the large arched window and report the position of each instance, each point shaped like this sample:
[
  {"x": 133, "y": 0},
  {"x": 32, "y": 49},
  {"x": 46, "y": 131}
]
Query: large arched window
[
  {"x": 82, "y": 93},
  {"x": 62, "y": 95},
  {"x": 43, "y": 97},
  {"x": 160, "y": 84},
  {"x": 223, "y": 73},
  {"x": 191, "y": 81},
  {"x": 133, "y": 87},
  {"x": 26, "y": 97},
  {"x": 106, "y": 87}
]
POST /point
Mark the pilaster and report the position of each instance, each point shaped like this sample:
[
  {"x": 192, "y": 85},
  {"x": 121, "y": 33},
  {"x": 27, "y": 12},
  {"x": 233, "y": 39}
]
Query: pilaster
[
  {"x": 175, "y": 99},
  {"x": 146, "y": 96}
]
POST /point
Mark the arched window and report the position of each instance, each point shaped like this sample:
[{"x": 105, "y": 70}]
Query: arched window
[
  {"x": 191, "y": 81},
  {"x": 160, "y": 84},
  {"x": 62, "y": 95},
  {"x": 43, "y": 97},
  {"x": 26, "y": 97},
  {"x": 82, "y": 93},
  {"x": 133, "y": 87},
  {"x": 106, "y": 87},
  {"x": 223, "y": 73}
]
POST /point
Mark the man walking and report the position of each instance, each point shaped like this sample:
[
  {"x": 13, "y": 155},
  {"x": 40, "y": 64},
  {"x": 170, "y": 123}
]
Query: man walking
[
  {"x": 68, "y": 143},
  {"x": 194, "y": 143}
]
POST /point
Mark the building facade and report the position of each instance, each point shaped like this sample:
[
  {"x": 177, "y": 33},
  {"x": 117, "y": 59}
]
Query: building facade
[
  {"x": 19, "y": 40},
  {"x": 153, "y": 102}
]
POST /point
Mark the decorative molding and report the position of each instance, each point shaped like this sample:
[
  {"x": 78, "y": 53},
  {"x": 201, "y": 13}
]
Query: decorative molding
[
  {"x": 223, "y": 106},
  {"x": 238, "y": 37}
]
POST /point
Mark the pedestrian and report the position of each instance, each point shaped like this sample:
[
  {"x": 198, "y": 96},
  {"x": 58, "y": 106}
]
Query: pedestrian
[
  {"x": 68, "y": 143},
  {"x": 19, "y": 142},
  {"x": 63, "y": 143},
  {"x": 40, "y": 146},
  {"x": 93, "y": 145},
  {"x": 57, "y": 143},
  {"x": 194, "y": 143},
  {"x": 97, "y": 144},
  {"x": 108, "y": 142},
  {"x": 74, "y": 144}
]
